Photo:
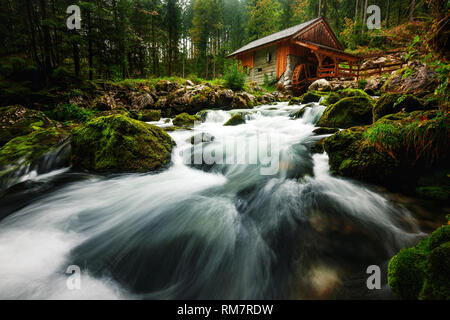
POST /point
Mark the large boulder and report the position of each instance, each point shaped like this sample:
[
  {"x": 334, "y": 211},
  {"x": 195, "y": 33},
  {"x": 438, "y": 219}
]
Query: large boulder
[
  {"x": 423, "y": 272},
  {"x": 224, "y": 98},
  {"x": 390, "y": 103},
  {"x": 118, "y": 143},
  {"x": 320, "y": 85},
  {"x": 18, "y": 121},
  {"x": 142, "y": 101},
  {"x": 331, "y": 99},
  {"x": 348, "y": 112},
  {"x": 416, "y": 77},
  {"x": 147, "y": 115},
  {"x": 407, "y": 152},
  {"x": 312, "y": 96},
  {"x": 166, "y": 86},
  {"x": 105, "y": 103},
  {"x": 26, "y": 152},
  {"x": 350, "y": 156},
  {"x": 349, "y": 92},
  {"x": 235, "y": 120},
  {"x": 185, "y": 120}
]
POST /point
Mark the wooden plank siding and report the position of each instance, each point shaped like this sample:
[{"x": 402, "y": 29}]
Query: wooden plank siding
[
  {"x": 320, "y": 33},
  {"x": 261, "y": 66}
]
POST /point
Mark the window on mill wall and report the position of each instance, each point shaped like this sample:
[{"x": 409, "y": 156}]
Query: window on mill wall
[{"x": 269, "y": 57}]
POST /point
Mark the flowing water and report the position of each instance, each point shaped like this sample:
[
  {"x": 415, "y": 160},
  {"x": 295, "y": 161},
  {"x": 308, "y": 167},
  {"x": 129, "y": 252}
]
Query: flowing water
[{"x": 232, "y": 230}]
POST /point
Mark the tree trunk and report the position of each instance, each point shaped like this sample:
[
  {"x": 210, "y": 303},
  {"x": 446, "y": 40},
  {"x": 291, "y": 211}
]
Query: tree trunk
[
  {"x": 33, "y": 34},
  {"x": 76, "y": 57},
  {"x": 153, "y": 47},
  {"x": 365, "y": 14},
  {"x": 361, "y": 14},
  {"x": 320, "y": 8},
  {"x": 399, "y": 11},
  {"x": 388, "y": 12},
  {"x": 90, "y": 51},
  {"x": 411, "y": 10},
  {"x": 356, "y": 10},
  {"x": 46, "y": 39}
]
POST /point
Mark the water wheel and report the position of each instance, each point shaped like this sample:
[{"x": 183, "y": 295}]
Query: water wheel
[{"x": 300, "y": 77}]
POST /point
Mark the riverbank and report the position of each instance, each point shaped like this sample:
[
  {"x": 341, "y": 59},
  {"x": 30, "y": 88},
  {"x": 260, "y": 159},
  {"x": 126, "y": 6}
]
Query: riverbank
[{"x": 87, "y": 154}]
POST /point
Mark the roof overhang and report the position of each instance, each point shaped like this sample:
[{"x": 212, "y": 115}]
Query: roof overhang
[{"x": 329, "y": 51}]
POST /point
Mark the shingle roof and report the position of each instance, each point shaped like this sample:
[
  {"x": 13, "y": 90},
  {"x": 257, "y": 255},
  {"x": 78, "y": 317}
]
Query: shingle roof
[{"x": 274, "y": 36}]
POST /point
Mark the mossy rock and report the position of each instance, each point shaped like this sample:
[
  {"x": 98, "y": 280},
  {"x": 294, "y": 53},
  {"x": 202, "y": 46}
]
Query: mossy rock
[
  {"x": 118, "y": 143},
  {"x": 26, "y": 149},
  {"x": 294, "y": 101},
  {"x": 325, "y": 130},
  {"x": 147, "y": 116},
  {"x": 406, "y": 273},
  {"x": 435, "y": 185},
  {"x": 346, "y": 93},
  {"x": 298, "y": 114},
  {"x": 350, "y": 156},
  {"x": 18, "y": 121},
  {"x": 312, "y": 96},
  {"x": 348, "y": 112},
  {"x": 317, "y": 147},
  {"x": 423, "y": 272},
  {"x": 185, "y": 119},
  {"x": 175, "y": 128},
  {"x": 235, "y": 120},
  {"x": 331, "y": 99},
  {"x": 393, "y": 103}
]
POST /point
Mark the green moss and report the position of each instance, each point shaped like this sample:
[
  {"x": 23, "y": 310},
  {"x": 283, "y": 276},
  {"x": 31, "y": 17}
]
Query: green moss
[
  {"x": 434, "y": 193},
  {"x": 345, "y": 93},
  {"x": 312, "y": 96},
  {"x": 347, "y": 112},
  {"x": 325, "y": 130},
  {"x": 17, "y": 121},
  {"x": 437, "y": 284},
  {"x": 439, "y": 236},
  {"x": 185, "y": 119},
  {"x": 67, "y": 112},
  {"x": 298, "y": 114},
  {"x": 295, "y": 100},
  {"x": 118, "y": 143},
  {"x": 423, "y": 272},
  {"x": 150, "y": 115},
  {"x": 331, "y": 99},
  {"x": 318, "y": 146},
  {"x": 235, "y": 120},
  {"x": 393, "y": 103},
  {"x": 27, "y": 148},
  {"x": 406, "y": 273},
  {"x": 349, "y": 155}
]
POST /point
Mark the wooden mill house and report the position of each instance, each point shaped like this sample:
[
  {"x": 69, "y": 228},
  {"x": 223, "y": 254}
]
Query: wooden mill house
[{"x": 297, "y": 56}]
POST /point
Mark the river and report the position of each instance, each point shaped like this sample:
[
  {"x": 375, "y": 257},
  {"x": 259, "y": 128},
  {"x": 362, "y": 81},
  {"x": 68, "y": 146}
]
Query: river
[{"x": 260, "y": 225}]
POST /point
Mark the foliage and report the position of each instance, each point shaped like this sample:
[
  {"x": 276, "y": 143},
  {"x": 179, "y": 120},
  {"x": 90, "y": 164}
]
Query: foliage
[
  {"x": 412, "y": 50},
  {"x": 443, "y": 90},
  {"x": 264, "y": 18},
  {"x": 422, "y": 272},
  {"x": 424, "y": 139},
  {"x": 269, "y": 81},
  {"x": 234, "y": 77},
  {"x": 70, "y": 111},
  {"x": 362, "y": 83}
]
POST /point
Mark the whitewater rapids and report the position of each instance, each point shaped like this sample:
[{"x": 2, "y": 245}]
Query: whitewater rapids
[{"x": 204, "y": 231}]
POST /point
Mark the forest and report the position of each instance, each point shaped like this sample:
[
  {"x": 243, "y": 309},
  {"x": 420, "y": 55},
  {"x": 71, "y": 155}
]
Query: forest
[
  {"x": 140, "y": 160},
  {"x": 122, "y": 39}
]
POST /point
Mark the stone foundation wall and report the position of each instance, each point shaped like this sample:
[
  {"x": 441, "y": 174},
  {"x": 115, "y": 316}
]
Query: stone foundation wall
[{"x": 286, "y": 78}]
